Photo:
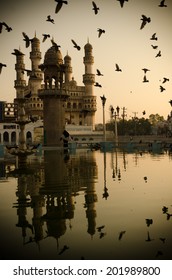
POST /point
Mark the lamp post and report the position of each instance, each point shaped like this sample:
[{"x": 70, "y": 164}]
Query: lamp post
[
  {"x": 115, "y": 115},
  {"x": 103, "y": 98}
]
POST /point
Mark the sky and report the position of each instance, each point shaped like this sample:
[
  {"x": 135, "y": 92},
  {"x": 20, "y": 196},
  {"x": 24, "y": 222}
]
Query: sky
[{"x": 123, "y": 43}]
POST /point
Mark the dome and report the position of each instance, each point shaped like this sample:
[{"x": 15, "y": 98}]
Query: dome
[
  {"x": 53, "y": 57},
  {"x": 73, "y": 82},
  {"x": 88, "y": 47},
  {"x": 67, "y": 58}
]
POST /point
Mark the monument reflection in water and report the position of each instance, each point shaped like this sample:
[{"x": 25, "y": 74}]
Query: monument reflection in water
[{"x": 88, "y": 205}]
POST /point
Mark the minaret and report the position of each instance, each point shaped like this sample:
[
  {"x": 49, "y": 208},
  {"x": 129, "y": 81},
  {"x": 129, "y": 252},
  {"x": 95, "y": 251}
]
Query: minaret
[
  {"x": 35, "y": 79},
  {"x": 68, "y": 69},
  {"x": 89, "y": 80},
  {"x": 20, "y": 82}
]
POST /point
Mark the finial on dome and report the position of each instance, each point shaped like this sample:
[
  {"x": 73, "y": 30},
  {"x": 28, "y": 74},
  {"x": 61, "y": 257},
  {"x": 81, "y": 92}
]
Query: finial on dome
[
  {"x": 88, "y": 40},
  {"x": 35, "y": 33}
]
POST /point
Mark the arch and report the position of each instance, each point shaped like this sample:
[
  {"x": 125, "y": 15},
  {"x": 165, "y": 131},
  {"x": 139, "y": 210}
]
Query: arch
[
  {"x": 29, "y": 137},
  {"x": 13, "y": 137},
  {"x": 6, "y": 137}
]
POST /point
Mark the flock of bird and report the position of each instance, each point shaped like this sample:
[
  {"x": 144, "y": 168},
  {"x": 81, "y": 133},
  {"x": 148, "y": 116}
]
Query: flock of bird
[{"x": 60, "y": 3}]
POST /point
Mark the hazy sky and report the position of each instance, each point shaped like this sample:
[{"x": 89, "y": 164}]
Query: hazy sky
[{"x": 123, "y": 43}]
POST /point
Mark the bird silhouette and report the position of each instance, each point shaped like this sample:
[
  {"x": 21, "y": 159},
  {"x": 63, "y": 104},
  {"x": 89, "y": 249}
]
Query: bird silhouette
[
  {"x": 26, "y": 39},
  {"x": 59, "y": 5},
  {"x": 7, "y": 27},
  {"x": 50, "y": 19},
  {"x": 102, "y": 234},
  {"x": 55, "y": 45},
  {"x": 100, "y": 228},
  {"x": 170, "y": 102},
  {"x": 158, "y": 54},
  {"x": 154, "y": 47},
  {"x": 145, "y": 80},
  {"x": 17, "y": 52},
  {"x": 121, "y": 234},
  {"x": 118, "y": 69},
  {"x": 162, "y": 88},
  {"x": 99, "y": 73},
  {"x": 149, "y": 222},
  {"x": 145, "y": 179},
  {"x": 145, "y": 20},
  {"x": 45, "y": 36},
  {"x": 97, "y": 85},
  {"x": 95, "y": 8},
  {"x": 100, "y": 31},
  {"x": 145, "y": 70},
  {"x": 164, "y": 209},
  {"x": 154, "y": 37},
  {"x": 148, "y": 237},
  {"x": 165, "y": 80},
  {"x": 144, "y": 112},
  {"x": 76, "y": 45},
  {"x": 122, "y": 2},
  {"x": 162, "y": 4},
  {"x": 63, "y": 249},
  {"x": 2, "y": 65}
]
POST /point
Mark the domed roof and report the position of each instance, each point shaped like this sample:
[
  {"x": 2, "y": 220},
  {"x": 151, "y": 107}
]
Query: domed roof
[
  {"x": 53, "y": 57},
  {"x": 73, "y": 82},
  {"x": 67, "y": 57},
  {"x": 88, "y": 46}
]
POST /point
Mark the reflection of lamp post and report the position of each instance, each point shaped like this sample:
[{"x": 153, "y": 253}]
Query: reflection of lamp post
[
  {"x": 115, "y": 115},
  {"x": 103, "y": 98}
]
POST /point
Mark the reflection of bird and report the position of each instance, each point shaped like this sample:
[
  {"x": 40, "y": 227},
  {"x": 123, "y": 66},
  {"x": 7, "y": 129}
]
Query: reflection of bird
[
  {"x": 162, "y": 89},
  {"x": 148, "y": 237},
  {"x": 145, "y": 80},
  {"x": 100, "y": 31},
  {"x": 97, "y": 84},
  {"x": 95, "y": 8},
  {"x": 122, "y": 2},
  {"x": 165, "y": 80},
  {"x": 2, "y": 65},
  {"x": 145, "y": 70},
  {"x": 144, "y": 21},
  {"x": 162, "y": 239},
  {"x": 159, "y": 253},
  {"x": 162, "y": 4},
  {"x": 154, "y": 47},
  {"x": 64, "y": 249},
  {"x": 26, "y": 39},
  {"x": 118, "y": 68},
  {"x": 76, "y": 45},
  {"x": 59, "y": 5},
  {"x": 149, "y": 222},
  {"x": 154, "y": 37},
  {"x": 100, "y": 228},
  {"x": 45, "y": 36},
  {"x": 50, "y": 19},
  {"x": 102, "y": 234},
  {"x": 99, "y": 73},
  {"x": 158, "y": 54},
  {"x": 121, "y": 234}
]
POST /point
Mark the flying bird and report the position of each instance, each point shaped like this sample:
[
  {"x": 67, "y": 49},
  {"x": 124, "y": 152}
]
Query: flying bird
[
  {"x": 145, "y": 20},
  {"x": 118, "y": 69},
  {"x": 162, "y": 4},
  {"x": 144, "y": 112},
  {"x": 145, "y": 80},
  {"x": 158, "y": 54},
  {"x": 50, "y": 19},
  {"x": 145, "y": 179},
  {"x": 145, "y": 70},
  {"x": 95, "y": 8},
  {"x": 122, "y": 2},
  {"x": 170, "y": 102},
  {"x": 162, "y": 89},
  {"x": 97, "y": 85},
  {"x": 45, "y": 36},
  {"x": 121, "y": 234},
  {"x": 149, "y": 222},
  {"x": 7, "y": 27},
  {"x": 99, "y": 73},
  {"x": 154, "y": 47},
  {"x": 148, "y": 237},
  {"x": 2, "y": 65},
  {"x": 55, "y": 45},
  {"x": 100, "y": 228},
  {"x": 26, "y": 39},
  {"x": 59, "y": 5},
  {"x": 164, "y": 208},
  {"x": 76, "y": 45},
  {"x": 165, "y": 80},
  {"x": 100, "y": 31},
  {"x": 154, "y": 37}
]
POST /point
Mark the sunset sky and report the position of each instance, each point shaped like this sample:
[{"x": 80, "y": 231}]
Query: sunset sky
[{"x": 123, "y": 43}]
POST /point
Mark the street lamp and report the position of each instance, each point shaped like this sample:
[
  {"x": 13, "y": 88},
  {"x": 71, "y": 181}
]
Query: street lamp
[
  {"x": 115, "y": 115},
  {"x": 103, "y": 99}
]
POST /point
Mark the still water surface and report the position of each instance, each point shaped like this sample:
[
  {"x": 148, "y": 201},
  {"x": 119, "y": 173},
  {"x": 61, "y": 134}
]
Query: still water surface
[{"x": 88, "y": 205}]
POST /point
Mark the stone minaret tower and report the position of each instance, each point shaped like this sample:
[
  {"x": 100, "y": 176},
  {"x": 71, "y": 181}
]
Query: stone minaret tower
[
  {"x": 68, "y": 69},
  {"x": 20, "y": 82},
  {"x": 35, "y": 79},
  {"x": 89, "y": 80}
]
